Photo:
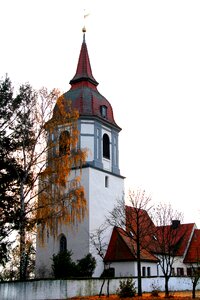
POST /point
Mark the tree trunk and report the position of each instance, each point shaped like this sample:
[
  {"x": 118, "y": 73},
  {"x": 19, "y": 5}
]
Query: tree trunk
[
  {"x": 166, "y": 286},
  {"x": 22, "y": 253},
  {"x": 22, "y": 236},
  {"x": 194, "y": 290},
  {"x": 139, "y": 264},
  {"x": 100, "y": 293},
  {"x": 108, "y": 288},
  {"x": 139, "y": 277}
]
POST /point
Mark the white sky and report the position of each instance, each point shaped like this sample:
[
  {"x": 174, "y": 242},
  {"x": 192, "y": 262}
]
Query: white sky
[{"x": 145, "y": 56}]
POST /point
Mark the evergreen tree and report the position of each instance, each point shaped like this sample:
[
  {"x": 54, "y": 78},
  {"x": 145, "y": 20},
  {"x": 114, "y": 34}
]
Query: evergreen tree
[{"x": 9, "y": 167}]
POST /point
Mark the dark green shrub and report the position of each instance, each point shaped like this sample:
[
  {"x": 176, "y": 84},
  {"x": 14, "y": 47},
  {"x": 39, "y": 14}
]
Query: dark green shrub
[
  {"x": 126, "y": 288},
  {"x": 63, "y": 266},
  {"x": 86, "y": 266}
]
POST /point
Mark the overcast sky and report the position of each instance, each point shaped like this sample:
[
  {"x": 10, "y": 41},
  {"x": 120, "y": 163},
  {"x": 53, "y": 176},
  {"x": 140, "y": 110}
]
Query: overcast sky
[{"x": 145, "y": 56}]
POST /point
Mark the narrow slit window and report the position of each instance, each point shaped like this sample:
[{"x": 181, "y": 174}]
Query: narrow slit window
[
  {"x": 106, "y": 181},
  {"x": 148, "y": 271}
]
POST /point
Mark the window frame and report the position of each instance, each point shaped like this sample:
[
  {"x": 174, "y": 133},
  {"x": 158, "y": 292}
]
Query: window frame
[
  {"x": 106, "y": 181},
  {"x": 62, "y": 243},
  {"x": 106, "y": 146},
  {"x": 103, "y": 111}
]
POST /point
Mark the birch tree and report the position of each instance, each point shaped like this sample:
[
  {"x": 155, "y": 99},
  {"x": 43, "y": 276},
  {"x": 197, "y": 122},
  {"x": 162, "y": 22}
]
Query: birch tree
[{"x": 30, "y": 128}]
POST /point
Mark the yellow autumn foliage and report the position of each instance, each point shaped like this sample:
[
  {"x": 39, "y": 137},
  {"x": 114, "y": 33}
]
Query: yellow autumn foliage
[{"x": 61, "y": 198}]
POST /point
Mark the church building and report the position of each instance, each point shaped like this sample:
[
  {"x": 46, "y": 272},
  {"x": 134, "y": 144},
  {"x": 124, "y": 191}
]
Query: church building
[{"x": 103, "y": 184}]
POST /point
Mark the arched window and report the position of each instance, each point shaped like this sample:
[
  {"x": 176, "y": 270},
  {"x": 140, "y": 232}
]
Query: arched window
[
  {"x": 64, "y": 143},
  {"x": 63, "y": 243},
  {"x": 106, "y": 146}
]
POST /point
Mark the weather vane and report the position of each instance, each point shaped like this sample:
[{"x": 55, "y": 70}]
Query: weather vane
[{"x": 85, "y": 16}]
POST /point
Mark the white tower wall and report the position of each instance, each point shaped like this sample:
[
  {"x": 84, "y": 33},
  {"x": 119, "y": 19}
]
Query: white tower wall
[{"x": 100, "y": 201}]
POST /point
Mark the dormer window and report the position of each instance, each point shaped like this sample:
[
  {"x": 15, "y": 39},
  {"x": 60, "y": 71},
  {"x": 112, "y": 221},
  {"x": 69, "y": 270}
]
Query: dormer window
[{"x": 103, "y": 110}]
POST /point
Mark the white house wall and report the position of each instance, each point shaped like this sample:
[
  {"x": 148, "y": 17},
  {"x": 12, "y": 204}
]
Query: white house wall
[
  {"x": 129, "y": 268},
  {"x": 178, "y": 263}
]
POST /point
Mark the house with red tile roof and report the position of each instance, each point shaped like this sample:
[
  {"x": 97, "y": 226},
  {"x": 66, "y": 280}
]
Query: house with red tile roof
[
  {"x": 184, "y": 239},
  {"x": 173, "y": 243},
  {"x": 121, "y": 255}
]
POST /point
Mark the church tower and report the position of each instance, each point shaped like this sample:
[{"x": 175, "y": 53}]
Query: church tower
[{"x": 101, "y": 179}]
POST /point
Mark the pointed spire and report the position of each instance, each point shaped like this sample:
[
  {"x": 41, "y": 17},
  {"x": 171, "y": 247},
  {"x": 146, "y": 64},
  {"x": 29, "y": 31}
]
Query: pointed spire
[{"x": 84, "y": 71}]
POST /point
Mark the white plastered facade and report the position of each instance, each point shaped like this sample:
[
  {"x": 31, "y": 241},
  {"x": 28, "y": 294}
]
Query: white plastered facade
[{"x": 103, "y": 186}]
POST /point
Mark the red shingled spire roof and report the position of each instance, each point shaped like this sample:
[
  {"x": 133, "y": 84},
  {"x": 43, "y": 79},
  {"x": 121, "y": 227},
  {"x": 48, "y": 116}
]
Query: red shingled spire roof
[
  {"x": 83, "y": 94},
  {"x": 84, "y": 70}
]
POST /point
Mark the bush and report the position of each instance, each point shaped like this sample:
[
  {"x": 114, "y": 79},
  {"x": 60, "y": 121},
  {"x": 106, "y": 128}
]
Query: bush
[
  {"x": 63, "y": 266},
  {"x": 126, "y": 288},
  {"x": 86, "y": 266}
]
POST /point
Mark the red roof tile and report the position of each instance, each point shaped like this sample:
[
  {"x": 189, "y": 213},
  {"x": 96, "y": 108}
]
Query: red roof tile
[
  {"x": 193, "y": 253},
  {"x": 84, "y": 95},
  {"x": 140, "y": 218},
  {"x": 84, "y": 70},
  {"x": 178, "y": 237},
  {"x": 123, "y": 248}
]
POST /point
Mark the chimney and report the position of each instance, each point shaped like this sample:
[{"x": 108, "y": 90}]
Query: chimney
[{"x": 175, "y": 224}]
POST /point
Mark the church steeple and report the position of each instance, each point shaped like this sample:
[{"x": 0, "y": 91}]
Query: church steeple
[
  {"x": 84, "y": 70},
  {"x": 100, "y": 178},
  {"x": 84, "y": 95}
]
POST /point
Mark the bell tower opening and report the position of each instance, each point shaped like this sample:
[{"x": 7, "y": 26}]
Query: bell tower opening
[
  {"x": 64, "y": 143},
  {"x": 106, "y": 146}
]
